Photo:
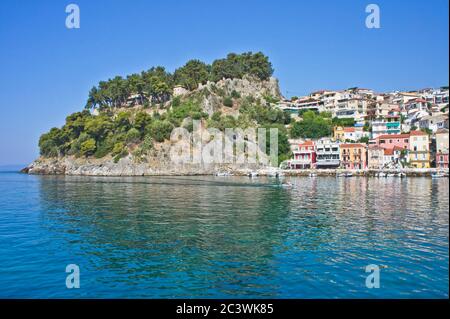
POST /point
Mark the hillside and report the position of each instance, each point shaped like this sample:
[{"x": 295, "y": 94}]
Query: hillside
[{"x": 126, "y": 125}]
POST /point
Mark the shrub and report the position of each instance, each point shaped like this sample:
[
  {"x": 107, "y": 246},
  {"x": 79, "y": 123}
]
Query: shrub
[
  {"x": 227, "y": 101},
  {"x": 104, "y": 148},
  {"x": 235, "y": 94},
  {"x": 160, "y": 130},
  {"x": 119, "y": 151},
  {"x": 133, "y": 136},
  {"x": 88, "y": 147}
]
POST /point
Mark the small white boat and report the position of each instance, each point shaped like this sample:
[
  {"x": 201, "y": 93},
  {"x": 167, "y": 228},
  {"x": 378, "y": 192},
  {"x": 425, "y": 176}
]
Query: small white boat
[
  {"x": 222, "y": 174},
  {"x": 312, "y": 175},
  {"x": 437, "y": 175},
  {"x": 390, "y": 175}
]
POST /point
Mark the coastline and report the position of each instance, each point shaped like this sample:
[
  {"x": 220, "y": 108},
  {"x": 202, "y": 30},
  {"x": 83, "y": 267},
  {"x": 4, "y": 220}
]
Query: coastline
[{"x": 126, "y": 167}]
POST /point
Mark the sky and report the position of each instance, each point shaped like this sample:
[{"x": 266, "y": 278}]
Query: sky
[{"x": 46, "y": 69}]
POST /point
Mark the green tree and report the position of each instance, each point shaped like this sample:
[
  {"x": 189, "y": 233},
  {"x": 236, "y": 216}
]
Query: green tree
[
  {"x": 312, "y": 126},
  {"x": 192, "y": 74}
]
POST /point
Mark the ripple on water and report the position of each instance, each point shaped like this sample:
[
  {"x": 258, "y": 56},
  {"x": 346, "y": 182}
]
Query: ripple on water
[{"x": 217, "y": 237}]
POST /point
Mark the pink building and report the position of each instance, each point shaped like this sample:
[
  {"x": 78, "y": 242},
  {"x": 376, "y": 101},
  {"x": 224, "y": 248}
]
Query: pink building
[
  {"x": 393, "y": 140},
  {"x": 442, "y": 160},
  {"x": 304, "y": 156}
]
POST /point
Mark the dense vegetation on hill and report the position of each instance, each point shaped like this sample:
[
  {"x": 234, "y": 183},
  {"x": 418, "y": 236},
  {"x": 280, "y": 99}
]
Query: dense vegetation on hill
[
  {"x": 118, "y": 129},
  {"x": 317, "y": 125},
  {"x": 156, "y": 84}
]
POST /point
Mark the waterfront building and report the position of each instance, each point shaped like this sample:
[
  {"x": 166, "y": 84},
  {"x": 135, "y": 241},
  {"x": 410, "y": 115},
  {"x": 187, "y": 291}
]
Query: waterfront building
[
  {"x": 442, "y": 140},
  {"x": 304, "y": 156},
  {"x": 353, "y": 156},
  {"x": 442, "y": 160},
  {"x": 327, "y": 153},
  {"x": 375, "y": 157},
  {"x": 389, "y": 141},
  {"x": 419, "y": 149},
  {"x": 392, "y": 156},
  {"x": 442, "y": 150}
]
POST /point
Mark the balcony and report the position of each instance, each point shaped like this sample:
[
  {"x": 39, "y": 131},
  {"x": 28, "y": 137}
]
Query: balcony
[
  {"x": 300, "y": 162},
  {"x": 327, "y": 162}
]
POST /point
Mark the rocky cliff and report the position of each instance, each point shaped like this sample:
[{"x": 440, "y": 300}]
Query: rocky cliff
[{"x": 211, "y": 97}]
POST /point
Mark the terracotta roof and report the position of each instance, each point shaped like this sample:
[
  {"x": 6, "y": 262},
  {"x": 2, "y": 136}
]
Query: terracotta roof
[
  {"x": 393, "y": 136},
  {"x": 349, "y": 129},
  {"x": 417, "y": 133},
  {"x": 307, "y": 143},
  {"x": 442, "y": 131},
  {"x": 388, "y": 151},
  {"x": 352, "y": 145},
  {"x": 417, "y": 100}
]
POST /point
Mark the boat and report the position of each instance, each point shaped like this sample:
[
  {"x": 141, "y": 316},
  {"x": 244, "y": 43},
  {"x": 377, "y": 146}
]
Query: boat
[
  {"x": 312, "y": 175},
  {"x": 222, "y": 174},
  {"x": 286, "y": 184},
  {"x": 344, "y": 175},
  {"x": 437, "y": 175}
]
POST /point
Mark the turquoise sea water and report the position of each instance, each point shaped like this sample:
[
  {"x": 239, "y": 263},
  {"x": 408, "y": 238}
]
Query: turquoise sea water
[{"x": 223, "y": 237}]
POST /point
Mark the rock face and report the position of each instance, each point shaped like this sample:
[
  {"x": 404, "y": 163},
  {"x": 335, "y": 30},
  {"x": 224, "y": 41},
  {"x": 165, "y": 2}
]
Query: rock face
[
  {"x": 245, "y": 87},
  {"x": 128, "y": 167}
]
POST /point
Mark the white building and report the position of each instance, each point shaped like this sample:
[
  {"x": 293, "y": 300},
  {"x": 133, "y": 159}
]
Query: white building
[{"x": 327, "y": 153}]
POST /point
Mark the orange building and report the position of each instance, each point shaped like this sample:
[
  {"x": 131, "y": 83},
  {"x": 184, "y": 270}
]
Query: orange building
[{"x": 353, "y": 156}]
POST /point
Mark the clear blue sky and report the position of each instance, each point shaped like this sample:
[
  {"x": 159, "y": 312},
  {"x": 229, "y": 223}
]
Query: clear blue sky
[{"x": 46, "y": 69}]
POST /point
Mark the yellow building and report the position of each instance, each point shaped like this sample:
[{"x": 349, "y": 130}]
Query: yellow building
[
  {"x": 339, "y": 133},
  {"x": 419, "y": 149}
]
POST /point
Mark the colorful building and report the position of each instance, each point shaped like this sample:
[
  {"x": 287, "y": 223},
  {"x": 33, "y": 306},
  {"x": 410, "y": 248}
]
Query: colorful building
[
  {"x": 353, "y": 156},
  {"x": 390, "y": 141},
  {"x": 419, "y": 149},
  {"x": 442, "y": 148},
  {"x": 338, "y": 133},
  {"x": 304, "y": 156},
  {"x": 388, "y": 126},
  {"x": 353, "y": 134}
]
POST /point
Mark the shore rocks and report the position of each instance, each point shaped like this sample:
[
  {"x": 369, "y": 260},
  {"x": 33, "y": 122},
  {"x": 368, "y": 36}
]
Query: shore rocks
[{"x": 128, "y": 167}]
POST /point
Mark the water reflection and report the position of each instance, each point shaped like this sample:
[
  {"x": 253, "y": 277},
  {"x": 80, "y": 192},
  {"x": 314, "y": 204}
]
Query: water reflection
[{"x": 235, "y": 237}]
